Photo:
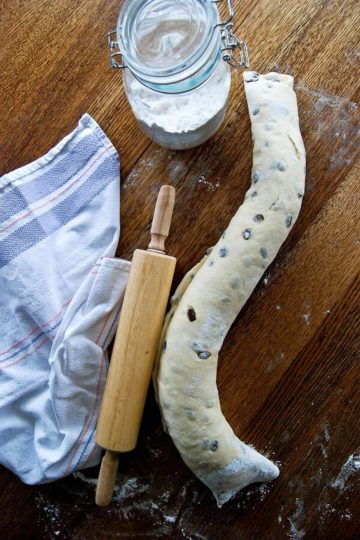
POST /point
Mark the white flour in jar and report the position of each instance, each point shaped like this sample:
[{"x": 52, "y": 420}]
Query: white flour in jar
[{"x": 182, "y": 120}]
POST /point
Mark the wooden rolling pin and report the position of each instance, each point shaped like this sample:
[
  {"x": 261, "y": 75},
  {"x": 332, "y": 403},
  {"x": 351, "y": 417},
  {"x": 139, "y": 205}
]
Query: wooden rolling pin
[{"x": 136, "y": 341}]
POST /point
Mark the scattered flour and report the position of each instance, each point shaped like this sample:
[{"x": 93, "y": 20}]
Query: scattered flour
[
  {"x": 324, "y": 451},
  {"x": 264, "y": 490},
  {"x": 325, "y": 511},
  {"x": 296, "y": 532},
  {"x": 210, "y": 186},
  {"x": 52, "y": 512},
  {"x": 144, "y": 165},
  {"x": 266, "y": 278},
  {"x": 128, "y": 488},
  {"x": 350, "y": 467},
  {"x": 323, "y": 97},
  {"x": 346, "y": 515},
  {"x": 176, "y": 168},
  {"x": 133, "y": 175},
  {"x": 353, "y": 57},
  {"x": 152, "y": 500},
  {"x": 80, "y": 476},
  {"x": 51, "y": 516},
  {"x": 336, "y": 121},
  {"x": 307, "y": 315},
  {"x": 279, "y": 358}
]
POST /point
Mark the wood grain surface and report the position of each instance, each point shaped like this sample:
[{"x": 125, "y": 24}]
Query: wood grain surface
[{"x": 289, "y": 370}]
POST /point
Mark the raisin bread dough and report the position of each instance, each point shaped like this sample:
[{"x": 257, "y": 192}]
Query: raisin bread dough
[{"x": 212, "y": 294}]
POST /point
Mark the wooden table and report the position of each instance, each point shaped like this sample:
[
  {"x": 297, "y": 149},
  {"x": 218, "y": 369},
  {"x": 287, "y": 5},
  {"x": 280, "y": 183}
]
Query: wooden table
[{"x": 289, "y": 370}]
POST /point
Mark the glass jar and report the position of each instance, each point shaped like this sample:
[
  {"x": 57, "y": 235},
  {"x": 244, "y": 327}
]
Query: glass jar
[{"x": 176, "y": 58}]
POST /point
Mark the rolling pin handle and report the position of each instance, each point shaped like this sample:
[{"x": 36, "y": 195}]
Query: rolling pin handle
[
  {"x": 107, "y": 478},
  {"x": 162, "y": 218}
]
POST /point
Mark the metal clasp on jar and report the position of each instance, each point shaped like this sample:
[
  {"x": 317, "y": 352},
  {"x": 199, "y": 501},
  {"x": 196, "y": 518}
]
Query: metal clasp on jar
[
  {"x": 115, "y": 52},
  {"x": 235, "y": 51}
]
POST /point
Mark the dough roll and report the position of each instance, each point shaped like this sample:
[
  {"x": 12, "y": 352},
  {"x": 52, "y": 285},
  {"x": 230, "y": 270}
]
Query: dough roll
[{"x": 213, "y": 293}]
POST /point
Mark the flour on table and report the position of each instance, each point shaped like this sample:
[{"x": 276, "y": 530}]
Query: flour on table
[
  {"x": 335, "y": 120},
  {"x": 296, "y": 532},
  {"x": 51, "y": 516},
  {"x": 128, "y": 488},
  {"x": 80, "y": 476},
  {"x": 266, "y": 278},
  {"x": 353, "y": 57},
  {"x": 323, "y": 451},
  {"x": 350, "y": 468},
  {"x": 210, "y": 186},
  {"x": 131, "y": 177},
  {"x": 144, "y": 165}
]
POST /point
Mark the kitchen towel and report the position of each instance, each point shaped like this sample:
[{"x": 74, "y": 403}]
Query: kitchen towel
[{"x": 61, "y": 291}]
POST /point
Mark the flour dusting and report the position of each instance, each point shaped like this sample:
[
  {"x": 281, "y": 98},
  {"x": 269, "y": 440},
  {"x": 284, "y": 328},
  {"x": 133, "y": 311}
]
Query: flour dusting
[
  {"x": 89, "y": 481},
  {"x": 131, "y": 177},
  {"x": 144, "y": 165},
  {"x": 144, "y": 498},
  {"x": 210, "y": 186},
  {"x": 176, "y": 168},
  {"x": 264, "y": 490},
  {"x": 336, "y": 122},
  {"x": 324, "y": 451},
  {"x": 353, "y": 57},
  {"x": 51, "y": 516},
  {"x": 296, "y": 532},
  {"x": 350, "y": 467},
  {"x": 323, "y": 97},
  {"x": 346, "y": 515},
  {"x": 128, "y": 487}
]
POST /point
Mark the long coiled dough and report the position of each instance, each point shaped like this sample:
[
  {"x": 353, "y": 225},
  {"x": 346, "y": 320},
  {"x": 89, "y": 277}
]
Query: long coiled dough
[{"x": 212, "y": 294}]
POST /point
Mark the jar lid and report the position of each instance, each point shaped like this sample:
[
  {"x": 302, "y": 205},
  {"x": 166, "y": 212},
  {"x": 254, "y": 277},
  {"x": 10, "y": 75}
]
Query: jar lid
[{"x": 162, "y": 38}]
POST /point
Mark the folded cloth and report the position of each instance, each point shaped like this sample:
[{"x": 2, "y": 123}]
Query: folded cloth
[{"x": 61, "y": 293}]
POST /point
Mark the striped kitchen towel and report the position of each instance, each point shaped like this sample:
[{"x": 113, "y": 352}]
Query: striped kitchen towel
[{"x": 61, "y": 291}]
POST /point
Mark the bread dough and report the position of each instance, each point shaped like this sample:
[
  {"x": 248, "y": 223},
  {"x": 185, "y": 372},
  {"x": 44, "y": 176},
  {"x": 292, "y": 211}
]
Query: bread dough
[{"x": 212, "y": 294}]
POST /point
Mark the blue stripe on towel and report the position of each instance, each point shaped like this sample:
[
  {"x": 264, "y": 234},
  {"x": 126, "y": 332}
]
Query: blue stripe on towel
[
  {"x": 20, "y": 197},
  {"x": 42, "y": 226},
  {"x": 85, "y": 447},
  {"x": 32, "y": 341}
]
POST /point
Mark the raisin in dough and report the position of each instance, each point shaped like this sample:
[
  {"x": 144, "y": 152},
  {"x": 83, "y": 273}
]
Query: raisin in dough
[{"x": 212, "y": 294}]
